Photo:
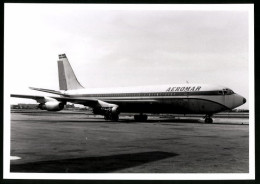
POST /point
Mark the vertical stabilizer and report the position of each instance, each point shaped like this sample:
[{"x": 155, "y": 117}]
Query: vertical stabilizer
[{"x": 67, "y": 77}]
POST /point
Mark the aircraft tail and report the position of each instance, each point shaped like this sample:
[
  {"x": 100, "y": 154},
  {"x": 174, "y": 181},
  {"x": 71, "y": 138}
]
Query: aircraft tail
[{"x": 67, "y": 77}]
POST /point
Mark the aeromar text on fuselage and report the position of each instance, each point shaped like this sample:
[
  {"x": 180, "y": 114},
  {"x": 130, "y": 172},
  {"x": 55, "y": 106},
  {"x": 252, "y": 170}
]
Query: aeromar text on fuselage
[{"x": 188, "y": 88}]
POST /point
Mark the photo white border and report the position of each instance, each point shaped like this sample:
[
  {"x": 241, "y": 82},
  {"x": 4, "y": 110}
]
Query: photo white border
[{"x": 146, "y": 176}]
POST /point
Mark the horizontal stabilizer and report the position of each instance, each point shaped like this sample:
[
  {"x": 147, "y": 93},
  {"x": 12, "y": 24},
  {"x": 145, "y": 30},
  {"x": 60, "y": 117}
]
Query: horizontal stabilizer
[{"x": 47, "y": 90}]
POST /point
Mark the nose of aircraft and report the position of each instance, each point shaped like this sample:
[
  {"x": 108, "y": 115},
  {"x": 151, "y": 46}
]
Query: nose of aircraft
[
  {"x": 234, "y": 101},
  {"x": 239, "y": 100},
  {"x": 244, "y": 100}
]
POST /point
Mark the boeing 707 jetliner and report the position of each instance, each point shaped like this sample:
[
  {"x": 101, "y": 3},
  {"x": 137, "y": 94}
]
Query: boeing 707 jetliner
[{"x": 174, "y": 98}]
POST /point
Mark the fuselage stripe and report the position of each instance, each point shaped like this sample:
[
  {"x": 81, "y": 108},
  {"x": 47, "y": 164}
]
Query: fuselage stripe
[{"x": 156, "y": 94}]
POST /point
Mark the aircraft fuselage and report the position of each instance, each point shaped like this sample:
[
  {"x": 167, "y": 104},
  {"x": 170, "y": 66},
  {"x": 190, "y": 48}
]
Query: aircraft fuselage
[{"x": 179, "y": 99}]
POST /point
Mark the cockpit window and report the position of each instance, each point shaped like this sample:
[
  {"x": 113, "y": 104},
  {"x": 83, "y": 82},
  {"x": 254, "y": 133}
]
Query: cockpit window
[{"x": 227, "y": 91}]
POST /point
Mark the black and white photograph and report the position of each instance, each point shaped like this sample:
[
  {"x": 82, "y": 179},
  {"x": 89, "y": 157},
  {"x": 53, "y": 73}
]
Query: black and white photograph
[{"x": 129, "y": 91}]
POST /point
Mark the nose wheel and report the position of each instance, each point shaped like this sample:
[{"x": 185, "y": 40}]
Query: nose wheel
[
  {"x": 208, "y": 119},
  {"x": 140, "y": 117}
]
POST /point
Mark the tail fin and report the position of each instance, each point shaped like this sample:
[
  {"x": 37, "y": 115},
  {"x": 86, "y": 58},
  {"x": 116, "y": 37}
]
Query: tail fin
[{"x": 67, "y": 78}]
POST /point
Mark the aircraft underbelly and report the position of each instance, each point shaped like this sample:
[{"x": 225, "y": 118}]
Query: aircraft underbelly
[
  {"x": 174, "y": 105},
  {"x": 205, "y": 106}
]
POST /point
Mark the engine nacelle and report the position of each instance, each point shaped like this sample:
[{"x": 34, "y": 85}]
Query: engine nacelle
[
  {"x": 51, "y": 106},
  {"x": 113, "y": 110}
]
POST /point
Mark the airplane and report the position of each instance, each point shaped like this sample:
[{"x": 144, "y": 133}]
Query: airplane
[{"x": 110, "y": 102}]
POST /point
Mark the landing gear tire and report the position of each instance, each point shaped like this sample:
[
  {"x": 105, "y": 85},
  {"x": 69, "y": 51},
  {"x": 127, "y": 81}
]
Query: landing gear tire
[
  {"x": 106, "y": 117},
  {"x": 140, "y": 117},
  {"x": 111, "y": 117},
  {"x": 115, "y": 117},
  {"x": 208, "y": 120}
]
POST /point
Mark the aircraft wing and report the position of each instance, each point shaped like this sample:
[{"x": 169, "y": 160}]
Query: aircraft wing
[
  {"x": 91, "y": 102},
  {"x": 39, "y": 99}
]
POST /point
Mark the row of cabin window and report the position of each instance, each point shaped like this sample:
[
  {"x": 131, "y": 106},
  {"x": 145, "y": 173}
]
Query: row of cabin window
[
  {"x": 223, "y": 92},
  {"x": 136, "y": 94}
]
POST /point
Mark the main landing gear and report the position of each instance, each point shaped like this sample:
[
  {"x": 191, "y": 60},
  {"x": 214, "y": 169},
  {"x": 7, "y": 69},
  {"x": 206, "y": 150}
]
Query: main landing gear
[
  {"x": 208, "y": 119},
  {"x": 140, "y": 117},
  {"x": 112, "y": 117}
]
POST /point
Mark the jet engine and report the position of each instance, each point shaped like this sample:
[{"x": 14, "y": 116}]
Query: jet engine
[
  {"x": 106, "y": 110},
  {"x": 51, "y": 106},
  {"x": 110, "y": 111}
]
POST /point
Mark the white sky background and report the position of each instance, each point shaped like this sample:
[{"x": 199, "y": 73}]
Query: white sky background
[{"x": 112, "y": 48}]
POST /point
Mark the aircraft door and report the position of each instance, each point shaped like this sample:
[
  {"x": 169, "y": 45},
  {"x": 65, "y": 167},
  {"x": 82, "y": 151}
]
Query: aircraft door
[{"x": 225, "y": 97}]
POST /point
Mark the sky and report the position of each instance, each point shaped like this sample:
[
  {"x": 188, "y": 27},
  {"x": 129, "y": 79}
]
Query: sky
[{"x": 110, "y": 46}]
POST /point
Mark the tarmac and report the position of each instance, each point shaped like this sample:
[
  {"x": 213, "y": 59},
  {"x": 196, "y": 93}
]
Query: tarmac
[{"x": 79, "y": 142}]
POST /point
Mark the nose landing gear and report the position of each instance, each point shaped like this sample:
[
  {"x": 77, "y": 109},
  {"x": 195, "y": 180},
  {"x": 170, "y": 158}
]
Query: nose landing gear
[
  {"x": 140, "y": 117},
  {"x": 208, "y": 119}
]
